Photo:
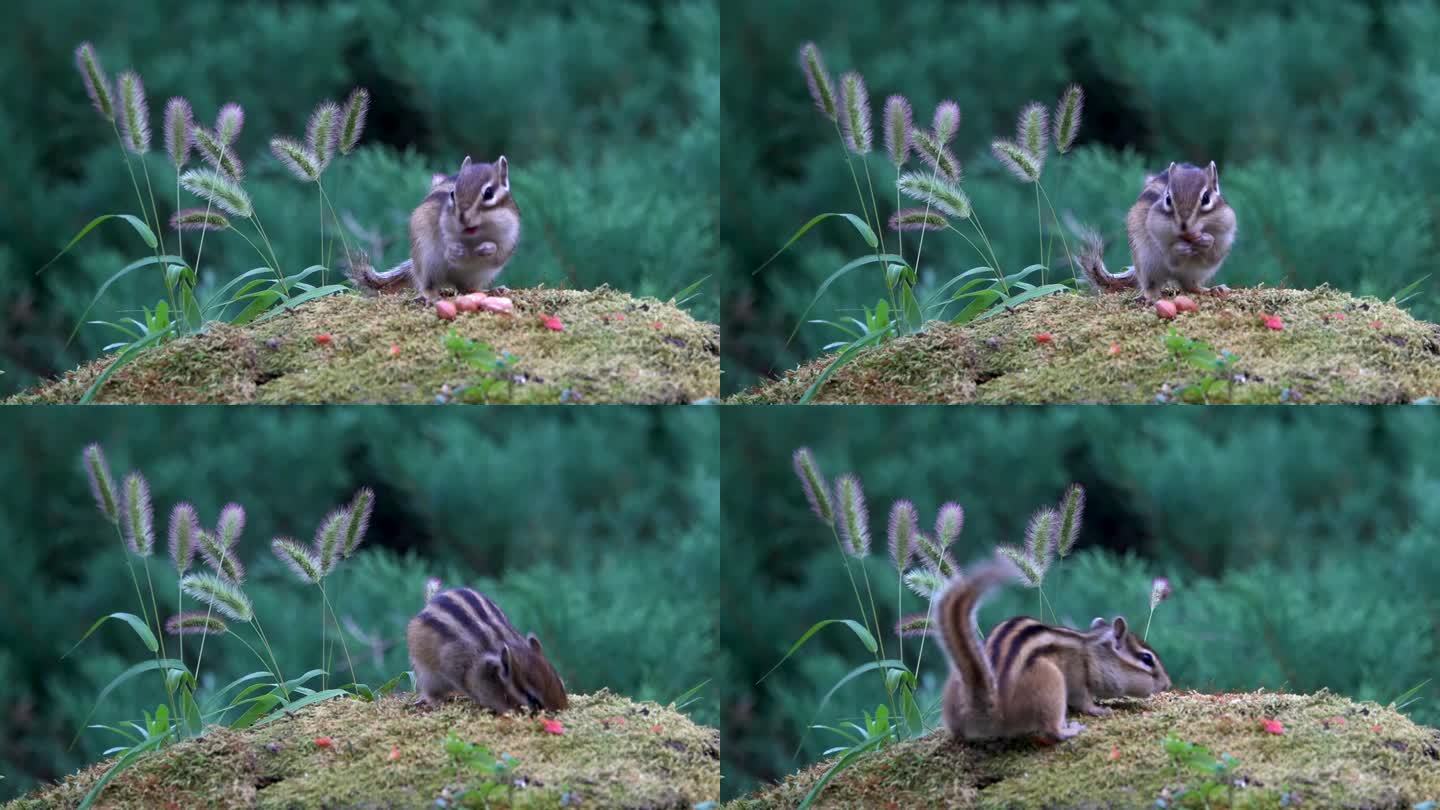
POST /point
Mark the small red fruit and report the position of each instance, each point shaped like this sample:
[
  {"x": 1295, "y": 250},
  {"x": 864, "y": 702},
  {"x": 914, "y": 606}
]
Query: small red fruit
[
  {"x": 1272, "y": 726},
  {"x": 394, "y": 349},
  {"x": 469, "y": 303},
  {"x": 1272, "y": 322},
  {"x": 1185, "y": 303},
  {"x": 1165, "y": 309},
  {"x": 1114, "y": 753},
  {"x": 1376, "y": 324},
  {"x": 445, "y": 309},
  {"x": 324, "y": 742},
  {"x": 554, "y": 727},
  {"x": 1044, "y": 337},
  {"x": 324, "y": 340},
  {"x": 552, "y": 323},
  {"x": 1114, "y": 349},
  {"x": 395, "y": 754}
]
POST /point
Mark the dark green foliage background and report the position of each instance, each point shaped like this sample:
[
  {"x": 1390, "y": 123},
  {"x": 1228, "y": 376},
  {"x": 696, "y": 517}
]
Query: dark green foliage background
[
  {"x": 1301, "y": 545},
  {"x": 608, "y": 111},
  {"x": 1324, "y": 119},
  {"x": 598, "y": 531}
]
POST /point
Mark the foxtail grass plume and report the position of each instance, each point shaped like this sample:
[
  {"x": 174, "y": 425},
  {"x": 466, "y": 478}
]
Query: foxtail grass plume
[
  {"x": 898, "y": 123},
  {"x": 102, "y": 486},
  {"x": 901, "y": 533},
  {"x": 1016, "y": 160},
  {"x": 296, "y": 159},
  {"x": 352, "y": 120},
  {"x": 949, "y": 522},
  {"x": 224, "y": 192},
  {"x": 1067, "y": 117},
  {"x": 225, "y": 597},
  {"x": 1072, "y": 509},
  {"x": 359, "y": 521},
  {"x": 1030, "y": 574},
  {"x": 184, "y": 624},
  {"x": 218, "y": 153},
  {"x": 231, "y": 524},
  {"x": 433, "y": 586},
  {"x": 854, "y": 518},
  {"x": 221, "y": 559},
  {"x": 323, "y": 131},
  {"x": 229, "y": 122},
  {"x": 1159, "y": 592},
  {"x": 199, "y": 219},
  {"x": 916, "y": 624},
  {"x": 821, "y": 88},
  {"x": 299, "y": 559},
  {"x": 936, "y": 155},
  {"x": 1041, "y": 537},
  {"x": 918, "y": 219},
  {"x": 817, "y": 491},
  {"x": 330, "y": 540},
  {"x": 139, "y": 515},
  {"x": 937, "y": 191},
  {"x": 97, "y": 84},
  {"x": 1033, "y": 129},
  {"x": 184, "y": 536},
  {"x": 134, "y": 112},
  {"x": 924, "y": 582},
  {"x": 855, "y": 121},
  {"x": 947, "y": 121},
  {"x": 179, "y": 123},
  {"x": 936, "y": 557}
]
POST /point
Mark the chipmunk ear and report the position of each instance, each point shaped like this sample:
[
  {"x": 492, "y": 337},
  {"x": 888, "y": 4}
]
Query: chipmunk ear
[
  {"x": 1214, "y": 175},
  {"x": 437, "y": 179},
  {"x": 1098, "y": 623},
  {"x": 534, "y": 642},
  {"x": 1119, "y": 627},
  {"x": 464, "y": 164},
  {"x": 502, "y": 168}
]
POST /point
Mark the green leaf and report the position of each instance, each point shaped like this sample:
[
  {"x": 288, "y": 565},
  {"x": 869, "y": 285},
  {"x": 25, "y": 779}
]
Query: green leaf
[
  {"x": 296, "y": 683},
  {"x": 143, "y": 666},
  {"x": 139, "y": 226},
  {"x": 1014, "y": 301},
  {"x": 302, "y": 702},
  {"x": 840, "y": 765},
  {"x": 690, "y": 291},
  {"x": 835, "y": 276},
  {"x": 855, "y": 627},
  {"x": 883, "y": 664},
  {"x": 262, "y": 704},
  {"x": 689, "y": 695},
  {"x": 292, "y": 303},
  {"x": 121, "y": 765},
  {"x": 911, "y": 307},
  {"x": 219, "y": 294},
  {"x": 136, "y": 623},
  {"x": 860, "y": 225}
]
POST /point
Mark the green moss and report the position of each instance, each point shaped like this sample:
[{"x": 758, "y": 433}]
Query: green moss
[
  {"x": 613, "y": 753},
  {"x": 614, "y": 348},
  {"x": 1333, "y": 753},
  {"x": 1332, "y": 348}
]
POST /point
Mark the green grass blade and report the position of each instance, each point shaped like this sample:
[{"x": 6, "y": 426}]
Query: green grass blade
[
  {"x": 219, "y": 294},
  {"x": 835, "y": 276},
  {"x": 292, "y": 303},
  {"x": 857, "y": 628},
  {"x": 126, "y": 270},
  {"x": 143, "y": 666},
  {"x": 139, "y": 226},
  {"x": 885, "y": 664},
  {"x": 139, "y": 626},
  {"x": 840, "y": 361},
  {"x": 840, "y": 765},
  {"x": 688, "y": 696},
  {"x": 120, "y": 766},
  {"x": 301, "y": 703},
  {"x": 1048, "y": 289},
  {"x": 124, "y": 359},
  {"x": 690, "y": 291},
  {"x": 866, "y": 233},
  {"x": 262, "y": 704}
]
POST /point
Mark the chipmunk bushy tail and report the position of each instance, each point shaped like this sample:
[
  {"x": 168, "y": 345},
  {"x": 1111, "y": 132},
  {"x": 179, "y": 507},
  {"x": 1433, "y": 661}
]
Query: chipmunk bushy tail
[
  {"x": 1091, "y": 260},
  {"x": 370, "y": 280},
  {"x": 955, "y": 609}
]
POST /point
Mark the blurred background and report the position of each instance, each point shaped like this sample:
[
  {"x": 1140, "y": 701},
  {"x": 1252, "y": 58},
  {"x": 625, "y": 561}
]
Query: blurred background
[
  {"x": 597, "y": 531},
  {"x": 608, "y": 111},
  {"x": 1324, "y": 120},
  {"x": 1300, "y": 545}
]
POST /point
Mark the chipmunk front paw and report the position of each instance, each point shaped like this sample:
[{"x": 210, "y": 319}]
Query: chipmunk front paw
[
  {"x": 486, "y": 249},
  {"x": 454, "y": 252}
]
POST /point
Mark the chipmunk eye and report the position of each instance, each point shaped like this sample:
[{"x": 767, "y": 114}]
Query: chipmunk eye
[
  {"x": 1168, "y": 203},
  {"x": 1147, "y": 659},
  {"x": 489, "y": 193},
  {"x": 1205, "y": 199}
]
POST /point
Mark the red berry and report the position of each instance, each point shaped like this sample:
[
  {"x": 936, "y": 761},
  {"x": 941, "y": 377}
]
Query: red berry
[{"x": 1165, "y": 309}]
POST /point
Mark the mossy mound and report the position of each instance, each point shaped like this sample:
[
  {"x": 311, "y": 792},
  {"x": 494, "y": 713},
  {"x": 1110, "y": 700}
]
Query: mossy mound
[
  {"x": 613, "y": 348},
  {"x": 611, "y": 753},
  {"x": 1329, "y": 752},
  {"x": 1329, "y": 347}
]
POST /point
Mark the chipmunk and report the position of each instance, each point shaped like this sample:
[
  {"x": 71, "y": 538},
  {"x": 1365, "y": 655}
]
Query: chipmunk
[
  {"x": 462, "y": 642},
  {"x": 1020, "y": 683},
  {"x": 1180, "y": 230},
  {"x": 462, "y": 235}
]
